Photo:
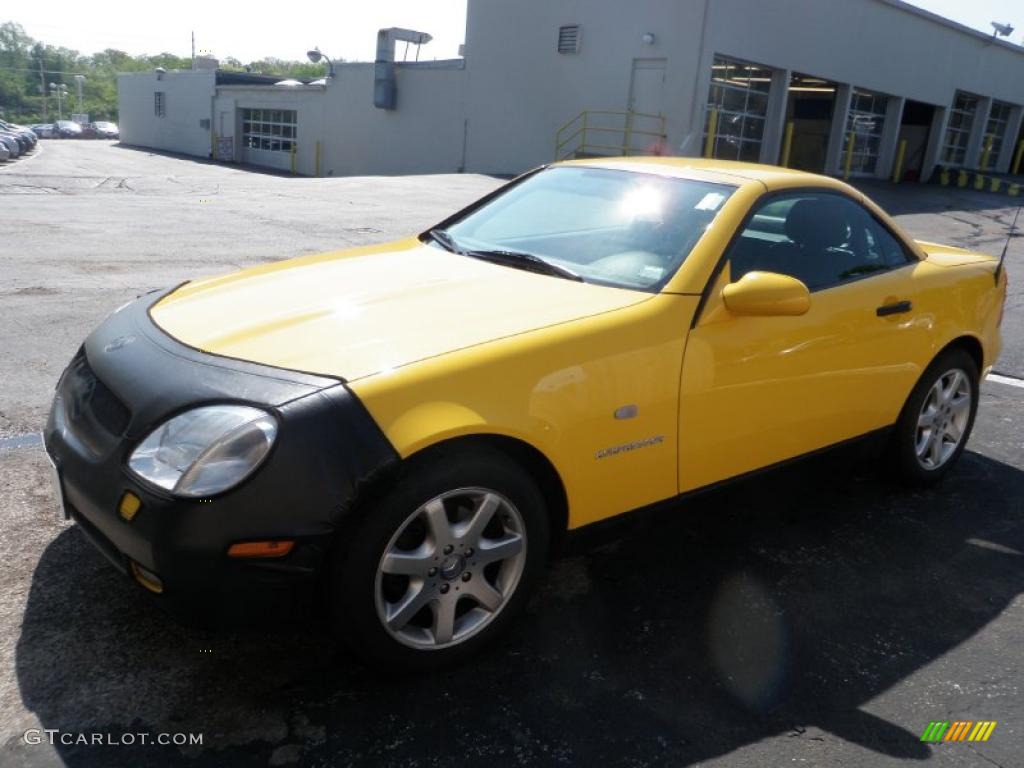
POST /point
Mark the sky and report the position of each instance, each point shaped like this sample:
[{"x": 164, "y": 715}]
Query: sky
[{"x": 342, "y": 29}]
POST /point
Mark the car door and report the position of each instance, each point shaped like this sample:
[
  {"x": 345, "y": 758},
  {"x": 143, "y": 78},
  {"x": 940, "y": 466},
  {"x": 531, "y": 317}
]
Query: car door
[{"x": 756, "y": 391}]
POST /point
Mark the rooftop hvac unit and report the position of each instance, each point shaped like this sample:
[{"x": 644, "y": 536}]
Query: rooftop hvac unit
[{"x": 385, "y": 87}]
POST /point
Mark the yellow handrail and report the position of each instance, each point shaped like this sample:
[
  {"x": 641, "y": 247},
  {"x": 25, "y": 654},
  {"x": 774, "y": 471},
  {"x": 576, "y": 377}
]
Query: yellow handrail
[{"x": 574, "y": 137}]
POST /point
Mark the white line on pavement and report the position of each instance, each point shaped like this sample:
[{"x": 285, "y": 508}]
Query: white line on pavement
[{"x": 1005, "y": 380}]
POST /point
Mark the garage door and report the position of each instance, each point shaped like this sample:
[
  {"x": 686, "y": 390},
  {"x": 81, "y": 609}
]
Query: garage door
[{"x": 268, "y": 136}]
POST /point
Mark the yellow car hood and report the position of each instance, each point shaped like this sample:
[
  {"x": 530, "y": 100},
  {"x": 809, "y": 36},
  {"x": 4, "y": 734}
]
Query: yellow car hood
[{"x": 355, "y": 313}]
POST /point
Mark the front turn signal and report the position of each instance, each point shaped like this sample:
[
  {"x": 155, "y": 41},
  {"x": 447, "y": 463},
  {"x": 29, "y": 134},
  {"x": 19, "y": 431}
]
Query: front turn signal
[{"x": 260, "y": 548}]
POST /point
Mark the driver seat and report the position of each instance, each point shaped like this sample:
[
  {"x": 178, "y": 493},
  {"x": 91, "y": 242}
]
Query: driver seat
[{"x": 817, "y": 229}]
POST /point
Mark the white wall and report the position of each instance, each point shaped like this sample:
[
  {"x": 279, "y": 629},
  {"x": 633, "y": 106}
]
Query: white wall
[
  {"x": 187, "y": 100},
  {"x": 423, "y": 135},
  {"x": 501, "y": 112},
  {"x": 521, "y": 90}
]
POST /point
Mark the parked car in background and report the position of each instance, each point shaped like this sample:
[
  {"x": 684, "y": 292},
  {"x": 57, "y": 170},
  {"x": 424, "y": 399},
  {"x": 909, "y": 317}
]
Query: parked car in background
[
  {"x": 88, "y": 131},
  {"x": 24, "y": 145},
  {"x": 44, "y": 130},
  {"x": 66, "y": 129},
  {"x": 106, "y": 130},
  {"x": 9, "y": 141},
  {"x": 5, "y": 154},
  {"x": 26, "y": 139}
]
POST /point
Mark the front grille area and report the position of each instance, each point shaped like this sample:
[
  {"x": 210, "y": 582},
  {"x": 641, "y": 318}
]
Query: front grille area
[{"x": 88, "y": 398}]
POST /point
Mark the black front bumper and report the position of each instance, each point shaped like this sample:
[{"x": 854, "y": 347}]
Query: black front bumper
[{"x": 128, "y": 378}]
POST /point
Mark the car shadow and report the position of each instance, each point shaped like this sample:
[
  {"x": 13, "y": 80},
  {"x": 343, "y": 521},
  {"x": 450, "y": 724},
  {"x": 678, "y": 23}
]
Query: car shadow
[{"x": 778, "y": 605}]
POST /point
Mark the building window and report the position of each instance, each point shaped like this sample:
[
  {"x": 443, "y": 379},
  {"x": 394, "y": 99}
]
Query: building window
[
  {"x": 958, "y": 130},
  {"x": 274, "y": 130},
  {"x": 865, "y": 123},
  {"x": 995, "y": 134},
  {"x": 569, "y": 39},
  {"x": 739, "y": 98},
  {"x": 159, "y": 104}
]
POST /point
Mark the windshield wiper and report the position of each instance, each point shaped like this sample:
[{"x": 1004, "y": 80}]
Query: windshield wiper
[
  {"x": 525, "y": 260},
  {"x": 446, "y": 241},
  {"x": 519, "y": 259}
]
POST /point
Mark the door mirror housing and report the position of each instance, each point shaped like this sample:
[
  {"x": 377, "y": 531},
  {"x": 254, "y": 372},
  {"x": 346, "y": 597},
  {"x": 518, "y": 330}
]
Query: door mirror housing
[{"x": 766, "y": 294}]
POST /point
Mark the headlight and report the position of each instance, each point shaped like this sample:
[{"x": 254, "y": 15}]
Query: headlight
[{"x": 206, "y": 450}]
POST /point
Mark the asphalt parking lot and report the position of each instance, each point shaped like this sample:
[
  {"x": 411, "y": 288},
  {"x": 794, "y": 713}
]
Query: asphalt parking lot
[{"x": 815, "y": 616}]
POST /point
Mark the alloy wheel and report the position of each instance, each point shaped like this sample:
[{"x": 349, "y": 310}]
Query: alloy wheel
[
  {"x": 450, "y": 568},
  {"x": 943, "y": 420}
]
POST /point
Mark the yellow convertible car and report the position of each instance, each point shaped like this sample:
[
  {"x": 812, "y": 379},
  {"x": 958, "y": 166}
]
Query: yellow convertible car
[{"x": 396, "y": 434}]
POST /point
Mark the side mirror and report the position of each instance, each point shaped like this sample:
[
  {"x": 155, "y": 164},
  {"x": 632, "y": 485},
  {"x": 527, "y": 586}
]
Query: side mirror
[{"x": 765, "y": 294}]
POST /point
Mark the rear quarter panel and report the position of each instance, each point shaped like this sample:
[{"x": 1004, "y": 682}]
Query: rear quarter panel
[{"x": 958, "y": 301}]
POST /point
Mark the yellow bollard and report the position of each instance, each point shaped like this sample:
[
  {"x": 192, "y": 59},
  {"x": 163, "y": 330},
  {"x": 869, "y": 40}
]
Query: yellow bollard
[
  {"x": 787, "y": 144},
  {"x": 961, "y": 179},
  {"x": 849, "y": 155},
  {"x": 979, "y": 181},
  {"x": 996, "y": 184},
  {"x": 318, "y": 158},
  {"x": 1014, "y": 190},
  {"x": 944, "y": 177},
  {"x": 987, "y": 154},
  {"x": 1018, "y": 158},
  {"x": 709, "y": 142},
  {"x": 897, "y": 171}
]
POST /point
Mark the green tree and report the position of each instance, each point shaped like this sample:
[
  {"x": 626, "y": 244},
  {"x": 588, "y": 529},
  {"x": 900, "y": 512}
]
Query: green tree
[{"x": 22, "y": 97}]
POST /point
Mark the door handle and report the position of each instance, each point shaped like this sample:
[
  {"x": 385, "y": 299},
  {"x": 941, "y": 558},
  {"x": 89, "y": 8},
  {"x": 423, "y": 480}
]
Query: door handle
[{"x": 897, "y": 308}]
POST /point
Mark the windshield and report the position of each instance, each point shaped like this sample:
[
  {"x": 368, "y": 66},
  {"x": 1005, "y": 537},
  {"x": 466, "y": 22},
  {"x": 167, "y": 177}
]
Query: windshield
[{"x": 620, "y": 228}]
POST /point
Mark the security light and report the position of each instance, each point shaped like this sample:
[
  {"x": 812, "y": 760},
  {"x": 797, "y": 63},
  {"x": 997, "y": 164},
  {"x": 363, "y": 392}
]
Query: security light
[
  {"x": 316, "y": 56},
  {"x": 648, "y": 38}
]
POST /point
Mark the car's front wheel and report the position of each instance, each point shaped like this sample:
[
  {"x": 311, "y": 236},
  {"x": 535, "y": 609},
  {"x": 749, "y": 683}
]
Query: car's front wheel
[
  {"x": 937, "y": 419},
  {"x": 442, "y": 563}
]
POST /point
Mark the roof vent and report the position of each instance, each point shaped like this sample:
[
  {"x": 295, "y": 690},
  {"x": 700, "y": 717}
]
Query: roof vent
[{"x": 569, "y": 39}]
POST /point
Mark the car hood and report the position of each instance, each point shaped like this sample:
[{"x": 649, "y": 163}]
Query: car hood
[{"x": 355, "y": 313}]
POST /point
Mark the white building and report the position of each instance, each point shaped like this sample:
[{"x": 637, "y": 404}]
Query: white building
[{"x": 791, "y": 81}]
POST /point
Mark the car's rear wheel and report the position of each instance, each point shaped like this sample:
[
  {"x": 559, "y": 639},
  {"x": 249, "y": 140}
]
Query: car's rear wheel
[
  {"x": 937, "y": 419},
  {"x": 442, "y": 563}
]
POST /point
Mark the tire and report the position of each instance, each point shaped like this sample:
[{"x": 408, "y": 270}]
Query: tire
[
  {"x": 932, "y": 431},
  {"x": 432, "y": 571}
]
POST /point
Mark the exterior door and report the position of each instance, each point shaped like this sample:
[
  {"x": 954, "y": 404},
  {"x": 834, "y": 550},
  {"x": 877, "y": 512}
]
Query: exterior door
[
  {"x": 759, "y": 390},
  {"x": 646, "y": 99}
]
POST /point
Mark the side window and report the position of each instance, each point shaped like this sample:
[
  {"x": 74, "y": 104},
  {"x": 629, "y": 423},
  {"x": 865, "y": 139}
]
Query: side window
[{"x": 820, "y": 239}]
